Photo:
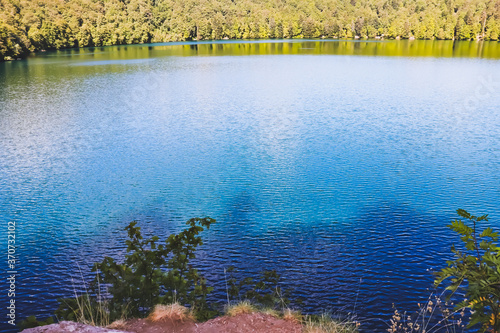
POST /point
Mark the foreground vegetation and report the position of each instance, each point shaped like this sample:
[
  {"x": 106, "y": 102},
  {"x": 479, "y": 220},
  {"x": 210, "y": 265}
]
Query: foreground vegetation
[
  {"x": 27, "y": 25},
  {"x": 156, "y": 280},
  {"x": 475, "y": 272}
]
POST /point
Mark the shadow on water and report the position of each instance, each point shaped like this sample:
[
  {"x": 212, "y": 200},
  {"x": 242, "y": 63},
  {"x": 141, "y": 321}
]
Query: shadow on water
[
  {"x": 242, "y": 207},
  {"x": 384, "y": 256}
]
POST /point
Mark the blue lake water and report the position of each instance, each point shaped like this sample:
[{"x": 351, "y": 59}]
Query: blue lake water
[{"x": 339, "y": 166}]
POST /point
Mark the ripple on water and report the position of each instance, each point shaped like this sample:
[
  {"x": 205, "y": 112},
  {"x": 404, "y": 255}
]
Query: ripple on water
[{"x": 341, "y": 172}]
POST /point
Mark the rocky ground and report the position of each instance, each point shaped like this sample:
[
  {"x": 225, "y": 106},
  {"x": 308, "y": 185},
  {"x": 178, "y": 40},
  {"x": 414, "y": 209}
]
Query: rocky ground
[
  {"x": 243, "y": 323},
  {"x": 68, "y": 326}
]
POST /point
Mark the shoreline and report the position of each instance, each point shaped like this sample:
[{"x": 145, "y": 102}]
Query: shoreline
[{"x": 245, "y": 41}]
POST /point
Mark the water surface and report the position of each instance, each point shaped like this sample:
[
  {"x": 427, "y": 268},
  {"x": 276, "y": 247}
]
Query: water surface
[{"x": 338, "y": 163}]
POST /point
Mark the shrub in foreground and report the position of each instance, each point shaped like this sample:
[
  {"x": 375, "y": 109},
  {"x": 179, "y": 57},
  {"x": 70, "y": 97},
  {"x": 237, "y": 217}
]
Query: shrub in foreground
[
  {"x": 475, "y": 271},
  {"x": 155, "y": 273},
  {"x": 152, "y": 273}
]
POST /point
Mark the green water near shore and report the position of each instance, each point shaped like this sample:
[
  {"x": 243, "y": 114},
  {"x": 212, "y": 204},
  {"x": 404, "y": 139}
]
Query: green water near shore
[{"x": 388, "y": 48}]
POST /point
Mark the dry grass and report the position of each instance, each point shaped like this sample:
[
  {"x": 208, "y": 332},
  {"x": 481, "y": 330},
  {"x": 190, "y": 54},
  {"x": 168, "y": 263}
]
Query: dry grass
[
  {"x": 88, "y": 310},
  {"x": 240, "y": 308},
  {"x": 172, "y": 312},
  {"x": 435, "y": 315},
  {"x": 271, "y": 312},
  {"x": 119, "y": 324},
  {"x": 292, "y": 315},
  {"x": 325, "y": 324}
]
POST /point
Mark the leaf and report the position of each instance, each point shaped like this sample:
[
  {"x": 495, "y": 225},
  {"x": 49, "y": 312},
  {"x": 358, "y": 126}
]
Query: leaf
[
  {"x": 463, "y": 213},
  {"x": 482, "y": 218}
]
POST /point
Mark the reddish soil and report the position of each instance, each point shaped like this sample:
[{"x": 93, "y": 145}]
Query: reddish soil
[
  {"x": 147, "y": 326},
  {"x": 244, "y": 323},
  {"x": 252, "y": 322}
]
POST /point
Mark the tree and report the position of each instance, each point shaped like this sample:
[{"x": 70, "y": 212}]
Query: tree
[
  {"x": 51, "y": 24},
  {"x": 154, "y": 273}
]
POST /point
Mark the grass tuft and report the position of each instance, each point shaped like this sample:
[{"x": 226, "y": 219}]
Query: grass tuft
[
  {"x": 326, "y": 324},
  {"x": 172, "y": 312},
  {"x": 292, "y": 315},
  {"x": 270, "y": 312},
  {"x": 87, "y": 309},
  {"x": 119, "y": 324},
  {"x": 240, "y": 308}
]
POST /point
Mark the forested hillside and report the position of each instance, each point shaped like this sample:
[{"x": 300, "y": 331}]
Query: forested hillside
[{"x": 31, "y": 25}]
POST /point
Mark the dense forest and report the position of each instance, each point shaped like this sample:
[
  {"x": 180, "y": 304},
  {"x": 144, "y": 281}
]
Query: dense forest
[{"x": 32, "y": 25}]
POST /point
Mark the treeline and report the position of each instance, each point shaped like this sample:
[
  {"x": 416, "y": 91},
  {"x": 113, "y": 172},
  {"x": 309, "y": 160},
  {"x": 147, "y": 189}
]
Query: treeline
[{"x": 32, "y": 25}]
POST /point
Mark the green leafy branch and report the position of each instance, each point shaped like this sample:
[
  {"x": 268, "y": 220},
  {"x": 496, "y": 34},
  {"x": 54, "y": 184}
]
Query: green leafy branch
[
  {"x": 475, "y": 271},
  {"x": 154, "y": 272}
]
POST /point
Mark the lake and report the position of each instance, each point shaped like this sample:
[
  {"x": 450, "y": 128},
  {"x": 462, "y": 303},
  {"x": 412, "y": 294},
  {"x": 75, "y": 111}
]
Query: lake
[{"x": 338, "y": 163}]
